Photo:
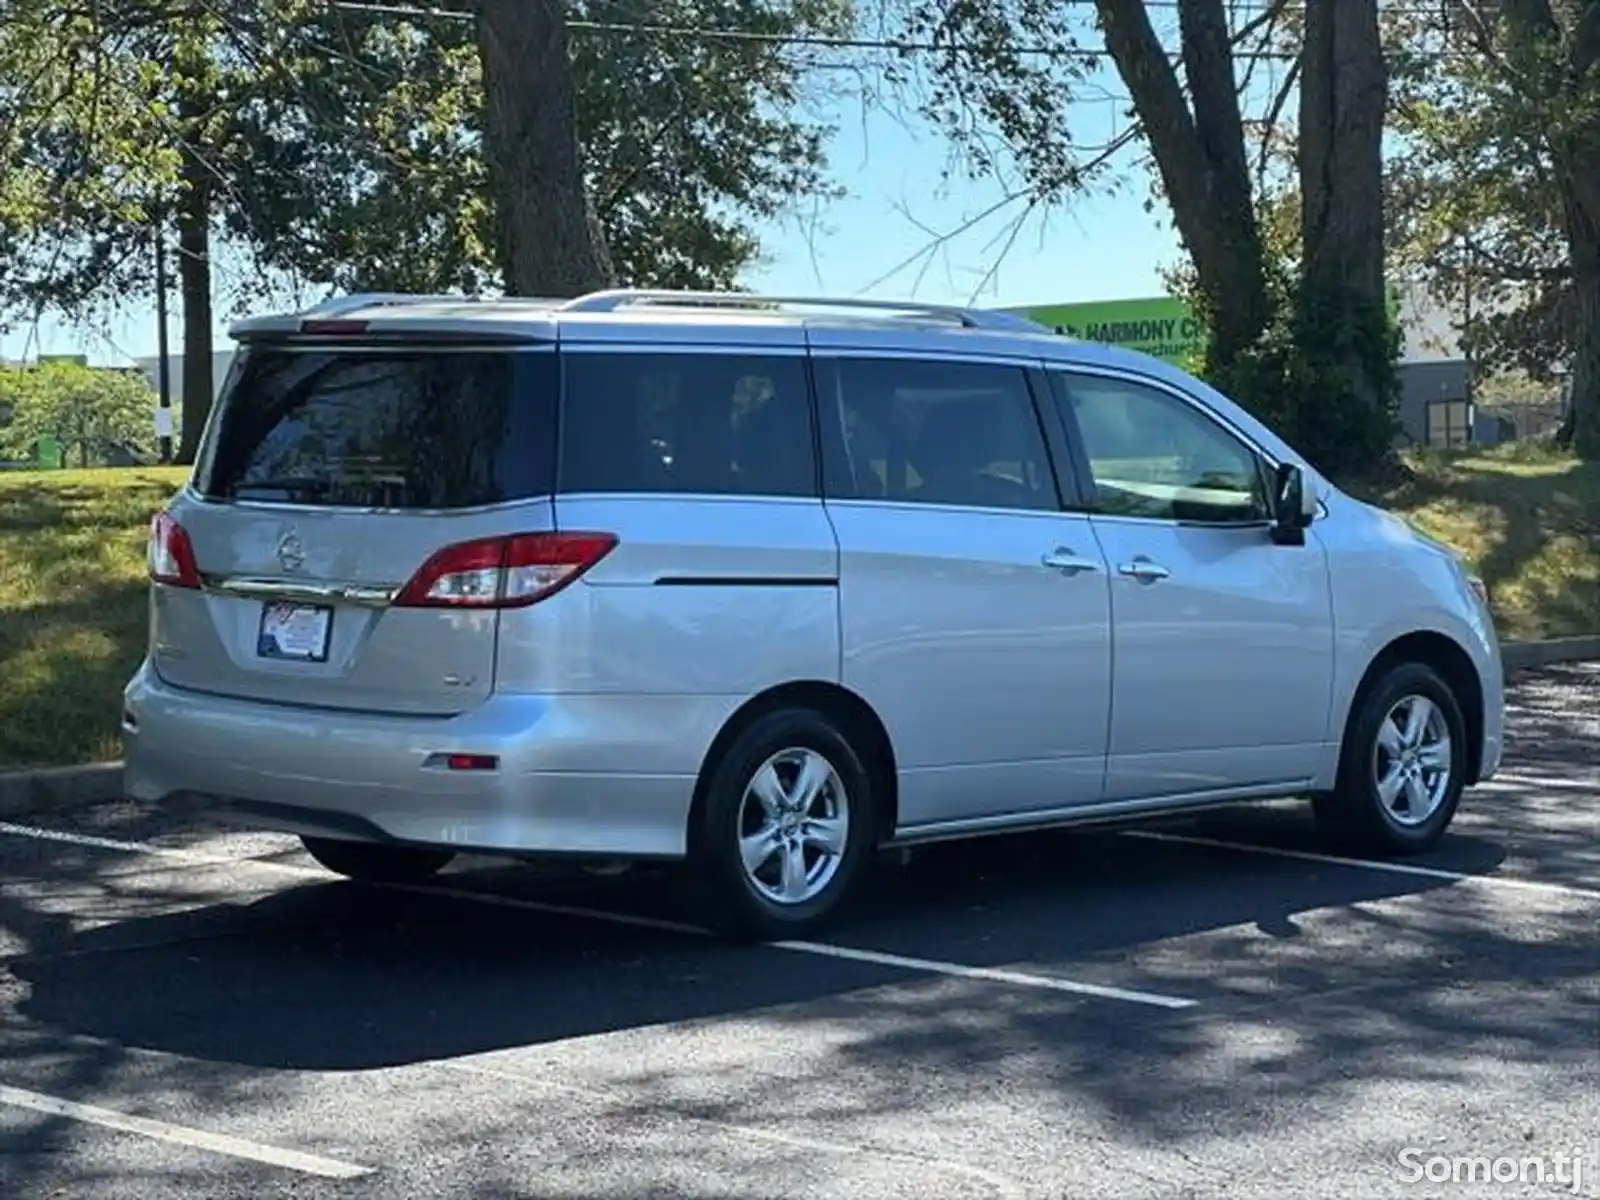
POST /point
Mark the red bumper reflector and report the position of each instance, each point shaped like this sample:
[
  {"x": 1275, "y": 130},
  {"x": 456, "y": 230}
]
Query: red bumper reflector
[{"x": 471, "y": 762}]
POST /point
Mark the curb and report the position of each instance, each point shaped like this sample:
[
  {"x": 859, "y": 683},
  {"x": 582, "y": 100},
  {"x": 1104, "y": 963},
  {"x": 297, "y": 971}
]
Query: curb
[
  {"x": 1518, "y": 656},
  {"x": 59, "y": 787},
  {"x": 100, "y": 783}
]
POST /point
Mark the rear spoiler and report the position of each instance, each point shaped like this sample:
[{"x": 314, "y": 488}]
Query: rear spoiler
[{"x": 387, "y": 316}]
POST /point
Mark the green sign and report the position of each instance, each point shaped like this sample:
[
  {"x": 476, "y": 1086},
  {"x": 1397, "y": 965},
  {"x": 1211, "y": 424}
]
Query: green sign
[{"x": 1161, "y": 326}]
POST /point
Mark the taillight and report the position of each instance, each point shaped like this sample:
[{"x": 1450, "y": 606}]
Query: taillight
[
  {"x": 503, "y": 572},
  {"x": 171, "y": 554}
]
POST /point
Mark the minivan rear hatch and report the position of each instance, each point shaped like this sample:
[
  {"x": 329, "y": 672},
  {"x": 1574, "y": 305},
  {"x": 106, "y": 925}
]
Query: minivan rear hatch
[{"x": 343, "y": 542}]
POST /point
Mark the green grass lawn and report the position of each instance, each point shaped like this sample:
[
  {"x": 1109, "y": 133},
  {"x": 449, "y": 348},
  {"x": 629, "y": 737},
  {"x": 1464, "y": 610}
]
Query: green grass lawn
[
  {"x": 1526, "y": 518},
  {"x": 72, "y": 607},
  {"x": 72, "y": 576}
]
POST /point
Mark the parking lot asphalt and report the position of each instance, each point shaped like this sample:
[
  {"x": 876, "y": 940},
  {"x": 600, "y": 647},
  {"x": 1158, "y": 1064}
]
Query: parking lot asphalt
[{"x": 1203, "y": 1008}]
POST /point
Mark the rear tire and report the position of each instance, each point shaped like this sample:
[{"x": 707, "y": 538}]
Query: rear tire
[
  {"x": 1402, "y": 766},
  {"x": 785, "y": 828},
  {"x": 369, "y": 862}
]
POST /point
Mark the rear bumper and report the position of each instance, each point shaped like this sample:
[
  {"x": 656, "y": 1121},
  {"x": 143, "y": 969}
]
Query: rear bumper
[{"x": 557, "y": 791}]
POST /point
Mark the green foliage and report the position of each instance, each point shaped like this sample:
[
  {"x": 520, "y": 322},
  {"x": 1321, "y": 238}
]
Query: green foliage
[
  {"x": 687, "y": 142},
  {"x": 1475, "y": 209},
  {"x": 1291, "y": 378},
  {"x": 342, "y": 147},
  {"x": 90, "y": 412},
  {"x": 1003, "y": 87},
  {"x": 86, "y": 154}
]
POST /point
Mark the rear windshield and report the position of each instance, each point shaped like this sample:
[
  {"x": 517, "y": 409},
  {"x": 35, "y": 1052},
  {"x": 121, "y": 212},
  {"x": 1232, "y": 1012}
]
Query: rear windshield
[{"x": 445, "y": 428}]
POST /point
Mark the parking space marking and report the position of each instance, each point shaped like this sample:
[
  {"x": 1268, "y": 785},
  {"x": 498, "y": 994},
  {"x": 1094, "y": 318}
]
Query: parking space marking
[
  {"x": 99, "y": 843},
  {"x": 927, "y": 966},
  {"x": 991, "y": 974},
  {"x": 179, "y": 1135},
  {"x": 1510, "y": 781},
  {"x": 1367, "y": 864}
]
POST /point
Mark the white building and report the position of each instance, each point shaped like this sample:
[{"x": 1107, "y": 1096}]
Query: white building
[{"x": 150, "y": 367}]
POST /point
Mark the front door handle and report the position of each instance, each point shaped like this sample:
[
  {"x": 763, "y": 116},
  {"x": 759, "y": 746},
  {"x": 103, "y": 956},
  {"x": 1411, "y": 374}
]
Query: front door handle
[
  {"x": 1064, "y": 560},
  {"x": 1143, "y": 570}
]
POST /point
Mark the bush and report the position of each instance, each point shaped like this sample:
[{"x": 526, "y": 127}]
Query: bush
[
  {"x": 93, "y": 414},
  {"x": 1324, "y": 380}
]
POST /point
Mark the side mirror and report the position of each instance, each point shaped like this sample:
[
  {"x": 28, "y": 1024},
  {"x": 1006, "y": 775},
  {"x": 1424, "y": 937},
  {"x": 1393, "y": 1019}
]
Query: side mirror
[{"x": 1294, "y": 506}]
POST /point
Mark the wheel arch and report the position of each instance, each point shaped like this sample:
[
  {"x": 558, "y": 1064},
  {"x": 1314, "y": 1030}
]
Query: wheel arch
[
  {"x": 1455, "y": 666},
  {"x": 857, "y": 720}
]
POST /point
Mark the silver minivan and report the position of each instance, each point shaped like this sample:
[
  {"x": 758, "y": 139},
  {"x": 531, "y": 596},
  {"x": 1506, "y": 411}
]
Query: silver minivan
[{"x": 767, "y": 586}]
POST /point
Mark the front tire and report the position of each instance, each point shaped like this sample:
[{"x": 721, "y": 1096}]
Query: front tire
[
  {"x": 1402, "y": 767},
  {"x": 786, "y": 827},
  {"x": 370, "y": 862}
]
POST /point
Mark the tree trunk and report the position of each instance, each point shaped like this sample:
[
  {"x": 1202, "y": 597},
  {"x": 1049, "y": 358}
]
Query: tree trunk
[
  {"x": 550, "y": 242},
  {"x": 1200, "y": 156},
  {"x": 1342, "y": 312},
  {"x": 194, "y": 286},
  {"x": 195, "y": 181},
  {"x": 1583, "y": 236},
  {"x": 1580, "y": 203}
]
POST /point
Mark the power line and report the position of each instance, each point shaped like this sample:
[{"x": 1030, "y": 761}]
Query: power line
[{"x": 830, "y": 42}]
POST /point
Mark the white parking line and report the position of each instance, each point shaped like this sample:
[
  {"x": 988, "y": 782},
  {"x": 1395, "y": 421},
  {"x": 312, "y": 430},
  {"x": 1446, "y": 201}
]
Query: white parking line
[
  {"x": 991, "y": 974},
  {"x": 1507, "y": 781},
  {"x": 1366, "y": 864},
  {"x": 1049, "y": 983},
  {"x": 179, "y": 1135}
]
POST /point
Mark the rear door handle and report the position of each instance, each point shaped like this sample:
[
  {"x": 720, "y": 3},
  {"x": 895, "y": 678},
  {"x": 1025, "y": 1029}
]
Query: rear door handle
[
  {"x": 1064, "y": 560},
  {"x": 1143, "y": 570}
]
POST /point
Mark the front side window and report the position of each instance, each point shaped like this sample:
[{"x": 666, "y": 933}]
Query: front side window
[
  {"x": 939, "y": 433},
  {"x": 687, "y": 423},
  {"x": 1153, "y": 455}
]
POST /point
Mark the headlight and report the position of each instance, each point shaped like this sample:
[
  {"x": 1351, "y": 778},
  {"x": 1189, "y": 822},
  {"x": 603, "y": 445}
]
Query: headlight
[{"x": 1480, "y": 588}]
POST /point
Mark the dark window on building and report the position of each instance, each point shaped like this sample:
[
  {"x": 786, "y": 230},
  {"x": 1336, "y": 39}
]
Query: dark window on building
[{"x": 1449, "y": 422}]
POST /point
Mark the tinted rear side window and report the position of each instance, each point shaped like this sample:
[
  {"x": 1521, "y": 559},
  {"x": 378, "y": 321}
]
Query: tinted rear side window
[
  {"x": 718, "y": 424},
  {"x": 390, "y": 429},
  {"x": 936, "y": 432}
]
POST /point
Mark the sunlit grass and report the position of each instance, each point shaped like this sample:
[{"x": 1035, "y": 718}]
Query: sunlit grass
[
  {"x": 1527, "y": 518},
  {"x": 72, "y": 606}
]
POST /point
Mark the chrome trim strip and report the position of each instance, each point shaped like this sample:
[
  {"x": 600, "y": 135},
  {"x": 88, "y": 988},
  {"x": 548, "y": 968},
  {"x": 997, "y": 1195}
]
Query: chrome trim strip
[
  {"x": 193, "y": 495},
  {"x": 257, "y": 588},
  {"x": 750, "y": 349},
  {"x": 1099, "y": 812},
  {"x": 1023, "y": 358}
]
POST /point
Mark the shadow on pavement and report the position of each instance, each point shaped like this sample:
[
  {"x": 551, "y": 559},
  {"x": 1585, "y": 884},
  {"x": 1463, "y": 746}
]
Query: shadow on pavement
[
  {"x": 1311, "y": 987},
  {"x": 336, "y": 976}
]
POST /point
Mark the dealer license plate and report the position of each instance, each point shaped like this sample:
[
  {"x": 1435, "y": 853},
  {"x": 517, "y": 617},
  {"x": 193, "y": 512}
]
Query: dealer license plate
[{"x": 297, "y": 632}]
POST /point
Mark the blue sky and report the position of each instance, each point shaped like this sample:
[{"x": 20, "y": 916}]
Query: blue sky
[{"x": 1095, "y": 248}]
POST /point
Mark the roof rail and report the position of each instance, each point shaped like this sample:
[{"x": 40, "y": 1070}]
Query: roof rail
[
  {"x": 614, "y": 299},
  {"x": 334, "y": 306}
]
